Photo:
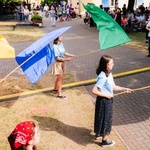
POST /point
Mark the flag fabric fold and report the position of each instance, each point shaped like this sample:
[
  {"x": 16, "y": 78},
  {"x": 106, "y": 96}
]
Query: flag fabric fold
[
  {"x": 110, "y": 32},
  {"x": 35, "y": 60},
  {"x": 6, "y": 51}
]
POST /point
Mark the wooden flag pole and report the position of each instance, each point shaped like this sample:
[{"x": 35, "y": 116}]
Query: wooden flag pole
[{"x": 138, "y": 89}]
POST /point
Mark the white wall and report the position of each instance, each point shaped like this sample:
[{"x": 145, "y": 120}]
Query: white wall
[
  {"x": 121, "y": 3},
  {"x": 97, "y": 2},
  {"x": 82, "y": 10},
  {"x": 146, "y": 3}
]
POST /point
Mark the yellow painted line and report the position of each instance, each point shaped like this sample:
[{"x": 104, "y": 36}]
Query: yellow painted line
[
  {"x": 74, "y": 84},
  {"x": 131, "y": 72}
]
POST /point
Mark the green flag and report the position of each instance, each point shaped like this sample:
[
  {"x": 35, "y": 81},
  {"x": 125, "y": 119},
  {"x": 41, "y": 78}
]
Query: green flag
[{"x": 110, "y": 32}]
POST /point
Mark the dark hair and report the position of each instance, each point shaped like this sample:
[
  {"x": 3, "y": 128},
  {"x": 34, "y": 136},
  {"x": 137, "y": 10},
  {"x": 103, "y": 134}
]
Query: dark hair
[
  {"x": 56, "y": 40},
  {"x": 104, "y": 60}
]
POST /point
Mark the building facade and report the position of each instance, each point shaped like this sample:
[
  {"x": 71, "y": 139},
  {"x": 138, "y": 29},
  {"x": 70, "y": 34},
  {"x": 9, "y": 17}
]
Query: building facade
[{"x": 112, "y": 4}]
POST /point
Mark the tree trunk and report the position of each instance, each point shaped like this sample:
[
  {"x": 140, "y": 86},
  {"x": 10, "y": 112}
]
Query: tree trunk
[{"x": 131, "y": 4}]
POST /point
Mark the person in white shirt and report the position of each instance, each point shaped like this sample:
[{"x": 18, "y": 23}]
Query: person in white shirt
[
  {"x": 68, "y": 17},
  {"x": 26, "y": 13},
  {"x": 77, "y": 10},
  {"x": 46, "y": 9},
  {"x": 52, "y": 16}
]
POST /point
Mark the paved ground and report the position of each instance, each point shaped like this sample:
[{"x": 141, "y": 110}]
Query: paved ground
[{"x": 131, "y": 111}]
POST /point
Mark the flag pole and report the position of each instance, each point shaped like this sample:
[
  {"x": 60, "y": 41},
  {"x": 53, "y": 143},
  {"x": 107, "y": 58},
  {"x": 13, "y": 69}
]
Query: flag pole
[
  {"x": 16, "y": 68},
  {"x": 91, "y": 52},
  {"x": 138, "y": 89}
]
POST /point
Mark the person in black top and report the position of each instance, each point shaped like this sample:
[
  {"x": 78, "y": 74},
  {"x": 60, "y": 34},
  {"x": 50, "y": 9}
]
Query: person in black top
[
  {"x": 124, "y": 10},
  {"x": 118, "y": 16}
]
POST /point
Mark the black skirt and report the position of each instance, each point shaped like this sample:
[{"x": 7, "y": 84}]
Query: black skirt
[{"x": 103, "y": 116}]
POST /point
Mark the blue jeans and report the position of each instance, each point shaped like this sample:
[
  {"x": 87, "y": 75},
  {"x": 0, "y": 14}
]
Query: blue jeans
[
  {"x": 26, "y": 17},
  {"x": 21, "y": 16}
]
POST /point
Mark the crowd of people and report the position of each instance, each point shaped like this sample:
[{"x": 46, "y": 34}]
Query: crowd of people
[
  {"x": 61, "y": 12},
  {"x": 136, "y": 20},
  {"x": 23, "y": 12}
]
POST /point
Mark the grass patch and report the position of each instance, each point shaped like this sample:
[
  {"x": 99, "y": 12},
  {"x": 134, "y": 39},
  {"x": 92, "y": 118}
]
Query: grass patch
[
  {"x": 13, "y": 85},
  {"x": 63, "y": 124},
  {"x": 21, "y": 33},
  {"x": 137, "y": 40}
]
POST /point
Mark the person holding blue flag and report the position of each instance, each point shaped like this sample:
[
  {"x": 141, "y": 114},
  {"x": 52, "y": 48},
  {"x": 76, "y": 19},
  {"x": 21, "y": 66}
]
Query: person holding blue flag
[
  {"x": 36, "y": 59},
  {"x": 58, "y": 67}
]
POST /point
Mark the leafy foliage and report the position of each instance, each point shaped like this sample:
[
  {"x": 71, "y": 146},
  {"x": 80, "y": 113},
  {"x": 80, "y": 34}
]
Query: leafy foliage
[
  {"x": 36, "y": 16},
  {"x": 49, "y": 2}
]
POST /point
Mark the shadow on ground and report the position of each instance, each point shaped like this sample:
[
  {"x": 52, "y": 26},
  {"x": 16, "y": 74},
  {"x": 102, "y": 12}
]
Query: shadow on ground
[
  {"x": 7, "y": 103},
  {"x": 130, "y": 108},
  {"x": 79, "y": 135}
]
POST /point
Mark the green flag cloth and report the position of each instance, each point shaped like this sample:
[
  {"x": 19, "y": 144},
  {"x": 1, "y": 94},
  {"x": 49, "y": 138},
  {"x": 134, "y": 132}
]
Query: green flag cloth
[{"x": 110, "y": 32}]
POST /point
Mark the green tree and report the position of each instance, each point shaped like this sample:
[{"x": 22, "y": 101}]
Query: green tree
[{"x": 48, "y": 2}]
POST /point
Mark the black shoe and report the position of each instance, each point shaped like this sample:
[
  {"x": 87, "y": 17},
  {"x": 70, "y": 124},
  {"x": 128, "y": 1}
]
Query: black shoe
[
  {"x": 97, "y": 137},
  {"x": 55, "y": 91},
  {"x": 107, "y": 143},
  {"x": 62, "y": 97},
  {"x": 148, "y": 55}
]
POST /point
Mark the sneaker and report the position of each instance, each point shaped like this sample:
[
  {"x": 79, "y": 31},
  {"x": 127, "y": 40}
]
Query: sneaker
[
  {"x": 62, "y": 97},
  {"x": 107, "y": 143},
  {"x": 55, "y": 91},
  {"x": 97, "y": 137}
]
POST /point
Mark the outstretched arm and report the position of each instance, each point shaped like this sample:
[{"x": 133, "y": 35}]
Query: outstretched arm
[
  {"x": 70, "y": 55},
  {"x": 120, "y": 88}
]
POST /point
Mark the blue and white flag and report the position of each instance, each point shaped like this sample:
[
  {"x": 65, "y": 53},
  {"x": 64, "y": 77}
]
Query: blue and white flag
[{"x": 36, "y": 59}]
